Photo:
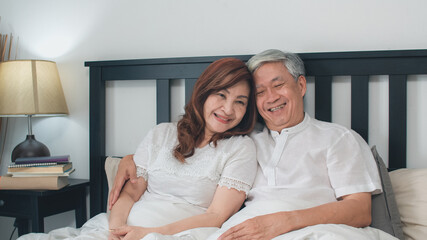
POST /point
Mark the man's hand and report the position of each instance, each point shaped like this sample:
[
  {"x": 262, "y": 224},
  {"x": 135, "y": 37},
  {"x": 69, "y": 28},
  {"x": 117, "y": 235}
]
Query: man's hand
[
  {"x": 261, "y": 227},
  {"x": 126, "y": 171}
]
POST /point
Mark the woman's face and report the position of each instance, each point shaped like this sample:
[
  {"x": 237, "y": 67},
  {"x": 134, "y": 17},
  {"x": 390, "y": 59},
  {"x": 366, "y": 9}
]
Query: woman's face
[{"x": 225, "y": 109}]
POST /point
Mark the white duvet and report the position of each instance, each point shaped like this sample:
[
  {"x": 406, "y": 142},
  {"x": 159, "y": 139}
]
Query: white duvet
[
  {"x": 318, "y": 232},
  {"x": 97, "y": 227}
]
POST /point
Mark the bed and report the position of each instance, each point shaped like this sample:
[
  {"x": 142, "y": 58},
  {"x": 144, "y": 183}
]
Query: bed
[{"x": 405, "y": 198}]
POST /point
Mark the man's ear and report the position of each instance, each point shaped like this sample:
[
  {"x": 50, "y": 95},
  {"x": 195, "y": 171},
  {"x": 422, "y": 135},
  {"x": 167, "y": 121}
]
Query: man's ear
[{"x": 302, "y": 83}]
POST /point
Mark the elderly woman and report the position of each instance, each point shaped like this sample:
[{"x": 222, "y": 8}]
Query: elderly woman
[{"x": 194, "y": 173}]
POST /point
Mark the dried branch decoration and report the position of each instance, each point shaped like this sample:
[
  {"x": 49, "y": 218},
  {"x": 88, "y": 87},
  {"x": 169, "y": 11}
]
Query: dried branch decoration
[{"x": 5, "y": 46}]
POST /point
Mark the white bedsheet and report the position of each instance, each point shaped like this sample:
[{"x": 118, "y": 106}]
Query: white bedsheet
[
  {"x": 97, "y": 227},
  {"x": 143, "y": 213},
  {"x": 318, "y": 232}
]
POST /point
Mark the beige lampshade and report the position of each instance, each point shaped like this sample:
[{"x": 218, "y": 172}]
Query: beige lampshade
[{"x": 31, "y": 87}]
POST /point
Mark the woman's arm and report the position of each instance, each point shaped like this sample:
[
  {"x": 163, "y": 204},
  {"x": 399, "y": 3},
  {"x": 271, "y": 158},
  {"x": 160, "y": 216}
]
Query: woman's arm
[
  {"x": 130, "y": 194},
  {"x": 225, "y": 203}
]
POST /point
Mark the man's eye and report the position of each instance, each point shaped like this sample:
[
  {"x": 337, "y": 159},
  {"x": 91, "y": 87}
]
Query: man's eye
[
  {"x": 278, "y": 85},
  {"x": 260, "y": 93}
]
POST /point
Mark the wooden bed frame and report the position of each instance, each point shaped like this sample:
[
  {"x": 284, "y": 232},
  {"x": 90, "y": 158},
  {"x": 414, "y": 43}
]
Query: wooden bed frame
[{"x": 398, "y": 64}]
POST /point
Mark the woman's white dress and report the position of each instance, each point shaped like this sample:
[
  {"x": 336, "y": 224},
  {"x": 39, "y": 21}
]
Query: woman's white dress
[{"x": 175, "y": 190}]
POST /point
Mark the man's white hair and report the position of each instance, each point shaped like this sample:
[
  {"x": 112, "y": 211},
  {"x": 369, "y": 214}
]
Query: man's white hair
[{"x": 291, "y": 61}]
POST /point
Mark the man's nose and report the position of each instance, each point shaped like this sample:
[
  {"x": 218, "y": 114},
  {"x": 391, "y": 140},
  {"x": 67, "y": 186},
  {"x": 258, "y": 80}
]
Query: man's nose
[{"x": 272, "y": 95}]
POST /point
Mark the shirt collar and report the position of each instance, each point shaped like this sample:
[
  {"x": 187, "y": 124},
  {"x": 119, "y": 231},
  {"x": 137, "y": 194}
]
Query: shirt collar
[{"x": 297, "y": 128}]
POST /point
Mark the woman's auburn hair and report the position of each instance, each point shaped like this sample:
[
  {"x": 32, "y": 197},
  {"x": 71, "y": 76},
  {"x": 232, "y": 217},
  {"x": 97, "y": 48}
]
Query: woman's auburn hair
[{"x": 221, "y": 74}]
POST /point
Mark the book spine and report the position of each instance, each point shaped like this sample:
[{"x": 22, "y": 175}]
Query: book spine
[
  {"x": 51, "y": 159},
  {"x": 42, "y": 183},
  {"x": 25, "y": 165},
  {"x": 42, "y": 174},
  {"x": 57, "y": 168}
]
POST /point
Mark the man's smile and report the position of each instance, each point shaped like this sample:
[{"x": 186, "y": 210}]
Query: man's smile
[{"x": 277, "y": 108}]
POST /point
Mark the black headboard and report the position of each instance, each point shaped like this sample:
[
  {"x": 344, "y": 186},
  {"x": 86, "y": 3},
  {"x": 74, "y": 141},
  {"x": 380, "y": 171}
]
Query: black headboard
[{"x": 398, "y": 64}]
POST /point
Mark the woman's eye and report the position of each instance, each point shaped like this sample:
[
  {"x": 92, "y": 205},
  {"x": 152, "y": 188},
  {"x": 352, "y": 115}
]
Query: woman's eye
[
  {"x": 221, "y": 95},
  {"x": 241, "y": 103}
]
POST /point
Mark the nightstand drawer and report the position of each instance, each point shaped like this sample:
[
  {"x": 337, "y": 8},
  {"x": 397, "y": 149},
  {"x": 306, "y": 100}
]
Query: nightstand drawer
[{"x": 14, "y": 205}]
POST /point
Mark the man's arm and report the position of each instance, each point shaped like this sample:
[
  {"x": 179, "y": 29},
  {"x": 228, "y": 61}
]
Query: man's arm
[
  {"x": 130, "y": 194},
  {"x": 126, "y": 171},
  {"x": 353, "y": 210}
]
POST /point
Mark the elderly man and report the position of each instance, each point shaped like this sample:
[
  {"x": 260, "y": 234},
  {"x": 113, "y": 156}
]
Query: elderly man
[
  {"x": 327, "y": 171},
  {"x": 299, "y": 157}
]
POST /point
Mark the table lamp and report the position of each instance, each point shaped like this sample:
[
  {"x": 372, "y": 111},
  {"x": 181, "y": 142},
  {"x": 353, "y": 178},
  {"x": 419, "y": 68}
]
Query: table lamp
[{"x": 30, "y": 88}]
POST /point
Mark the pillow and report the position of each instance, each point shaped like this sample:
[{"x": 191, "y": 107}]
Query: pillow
[
  {"x": 410, "y": 188},
  {"x": 385, "y": 213},
  {"x": 111, "y": 166}
]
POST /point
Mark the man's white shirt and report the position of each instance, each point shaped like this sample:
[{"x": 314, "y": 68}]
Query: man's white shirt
[{"x": 313, "y": 161}]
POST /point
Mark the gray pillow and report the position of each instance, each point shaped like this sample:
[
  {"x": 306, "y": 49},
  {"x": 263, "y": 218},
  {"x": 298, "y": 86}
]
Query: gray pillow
[{"x": 385, "y": 214}]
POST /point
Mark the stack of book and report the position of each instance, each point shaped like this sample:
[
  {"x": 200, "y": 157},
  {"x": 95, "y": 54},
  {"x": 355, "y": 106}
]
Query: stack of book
[{"x": 48, "y": 173}]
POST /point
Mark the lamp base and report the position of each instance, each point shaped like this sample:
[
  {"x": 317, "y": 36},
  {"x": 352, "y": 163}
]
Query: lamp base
[{"x": 30, "y": 148}]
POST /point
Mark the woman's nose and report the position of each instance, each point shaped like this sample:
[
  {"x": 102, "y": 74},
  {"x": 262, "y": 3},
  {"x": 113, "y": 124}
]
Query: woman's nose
[{"x": 228, "y": 107}]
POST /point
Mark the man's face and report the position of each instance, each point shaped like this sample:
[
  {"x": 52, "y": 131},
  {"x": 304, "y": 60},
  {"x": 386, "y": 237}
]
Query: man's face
[{"x": 279, "y": 98}]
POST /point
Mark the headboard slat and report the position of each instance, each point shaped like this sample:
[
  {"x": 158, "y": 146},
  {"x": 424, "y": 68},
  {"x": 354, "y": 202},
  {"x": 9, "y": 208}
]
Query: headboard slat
[
  {"x": 163, "y": 100},
  {"x": 397, "y": 121},
  {"x": 189, "y": 84},
  {"x": 154, "y": 71},
  {"x": 360, "y": 105},
  {"x": 323, "y": 98},
  {"x": 365, "y": 63}
]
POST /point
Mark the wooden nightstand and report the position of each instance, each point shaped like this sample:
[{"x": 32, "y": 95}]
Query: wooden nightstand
[{"x": 35, "y": 205}]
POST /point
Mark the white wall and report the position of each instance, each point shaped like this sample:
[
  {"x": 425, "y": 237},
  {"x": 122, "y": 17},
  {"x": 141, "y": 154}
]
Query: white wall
[{"x": 73, "y": 31}]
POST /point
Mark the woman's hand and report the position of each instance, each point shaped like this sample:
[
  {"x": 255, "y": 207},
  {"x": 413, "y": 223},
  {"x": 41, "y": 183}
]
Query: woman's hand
[
  {"x": 126, "y": 171},
  {"x": 130, "y": 232},
  {"x": 113, "y": 237}
]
